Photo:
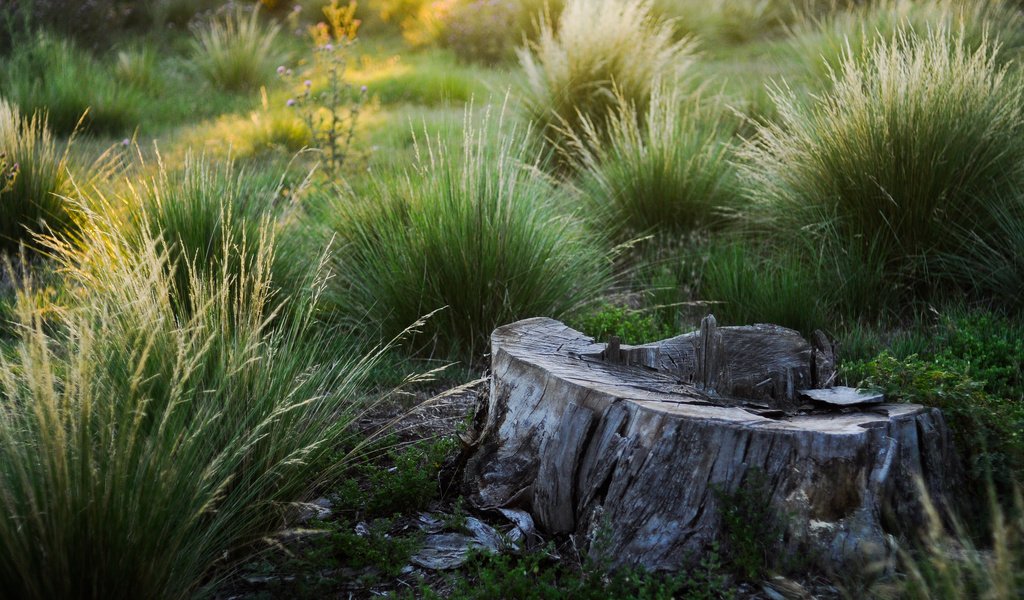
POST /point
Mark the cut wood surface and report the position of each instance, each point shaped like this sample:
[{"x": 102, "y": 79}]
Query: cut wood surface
[{"x": 644, "y": 442}]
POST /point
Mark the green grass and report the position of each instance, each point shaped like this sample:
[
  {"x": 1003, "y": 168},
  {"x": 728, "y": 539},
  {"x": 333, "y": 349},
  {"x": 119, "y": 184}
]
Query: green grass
[
  {"x": 919, "y": 135},
  {"x": 669, "y": 173},
  {"x": 597, "y": 50},
  {"x": 236, "y": 51},
  {"x": 53, "y": 76},
  {"x": 473, "y": 228},
  {"x": 145, "y": 450},
  {"x": 753, "y": 284},
  {"x": 34, "y": 202},
  {"x": 210, "y": 218}
]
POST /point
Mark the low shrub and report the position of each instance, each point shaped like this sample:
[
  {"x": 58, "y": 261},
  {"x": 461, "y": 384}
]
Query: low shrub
[
  {"x": 913, "y": 141},
  {"x": 988, "y": 429},
  {"x": 531, "y": 577},
  {"x": 668, "y": 173},
  {"x": 142, "y": 449},
  {"x": 475, "y": 229},
  {"x": 32, "y": 194},
  {"x": 597, "y": 51},
  {"x": 45, "y": 74},
  {"x": 236, "y": 51}
]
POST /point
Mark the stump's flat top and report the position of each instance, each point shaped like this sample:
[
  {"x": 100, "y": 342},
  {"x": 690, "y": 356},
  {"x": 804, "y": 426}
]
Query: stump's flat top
[{"x": 568, "y": 355}]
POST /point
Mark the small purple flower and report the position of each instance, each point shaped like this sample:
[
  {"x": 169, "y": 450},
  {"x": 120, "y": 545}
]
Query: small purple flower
[
  {"x": 307, "y": 83},
  {"x": 126, "y": 142},
  {"x": 297, "y": 8},
  {"x": 281, "y": 70},
  {"x": 290, "y": 102},
  {"x": 363, "y": 89},
  {"x": 328, "y": 47},
  {"x": 15, "y": 168}
]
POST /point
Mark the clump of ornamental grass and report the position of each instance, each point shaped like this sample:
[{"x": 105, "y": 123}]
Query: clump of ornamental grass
[
  {"x": 474, "y": 229},
  {"x": 236, "y": 50},
  {"x": 918, "y": 135},
  {"x": 205, "y": 207},
  {"x": 53, "y": 76},
  {"x": 668, "y": 173},
  {"x": 822, "y": 41},
  {"x": 33, "y": 200},
  {"x": 596, "y": 52},
  {"x": 146, "y": 451}
]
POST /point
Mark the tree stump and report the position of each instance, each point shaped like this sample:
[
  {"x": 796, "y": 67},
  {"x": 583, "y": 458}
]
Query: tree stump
[{"x": 644, "y": 442}]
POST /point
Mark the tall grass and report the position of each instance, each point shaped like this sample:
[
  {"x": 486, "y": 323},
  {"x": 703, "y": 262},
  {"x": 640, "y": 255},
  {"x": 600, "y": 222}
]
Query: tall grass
[
  {"x": 474, "y": 228},
  {"x": 669, "y": 172},
  {"x": 54, "y": 76},
  {"x": 144, "y": 450},
  {"x": 989, "y": 262},
  {"x": 205, "y": 207},
  {"x": 597, "y": 50},
  {"x": 920, "y": 134},
  {"x": 750, "y": 284},
  {"x": 822, "y": 40},
  {"x": 947, "y": 563},
  {"x": 35, "y": 202},
  {"x": 236, "y": 51}
]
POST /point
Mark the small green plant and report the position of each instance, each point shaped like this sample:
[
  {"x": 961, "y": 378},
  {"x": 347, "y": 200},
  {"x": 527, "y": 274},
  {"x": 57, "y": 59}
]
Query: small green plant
[
  {"x": 332, "y": 113},
  {"x": 236, "y": 50},
  {"x": 597, "y": 51},
  {"x": 751, "y": 531},
  {"x": 631, "y": 326},
  {"x": 473, "y": 228},
  {"x": 33, "y": 180},
  {"x": 407, "y": 481},
  {"x": 532, "y": 576}
]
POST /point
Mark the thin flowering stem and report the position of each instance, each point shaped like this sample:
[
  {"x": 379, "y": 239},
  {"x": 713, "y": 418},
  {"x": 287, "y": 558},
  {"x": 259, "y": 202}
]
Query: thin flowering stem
[{"x": 331, "y": 114}]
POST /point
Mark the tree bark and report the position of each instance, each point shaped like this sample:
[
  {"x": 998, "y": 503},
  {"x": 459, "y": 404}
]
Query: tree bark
[{"x": 646, "y": 442}]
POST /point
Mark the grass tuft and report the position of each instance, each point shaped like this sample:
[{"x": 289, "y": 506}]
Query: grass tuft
[
  {"x": 143, "y": 450},
  {"x": 920, "y": 134},
  {"x": 670, "y": 173},
  {"x": 33, "y": 203},
  {"x": 236, "y": 51},
  {"x": 596, "y": 51},
  {"x": 473, "y": 228}
]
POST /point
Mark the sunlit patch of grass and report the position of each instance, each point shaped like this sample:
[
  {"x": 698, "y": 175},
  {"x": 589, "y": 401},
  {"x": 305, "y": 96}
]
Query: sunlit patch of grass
[{"x": 597, "y": 50}]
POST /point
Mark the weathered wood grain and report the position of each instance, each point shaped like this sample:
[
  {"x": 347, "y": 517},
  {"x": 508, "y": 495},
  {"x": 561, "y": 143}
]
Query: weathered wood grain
[{"x": 639, "y": 444}]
